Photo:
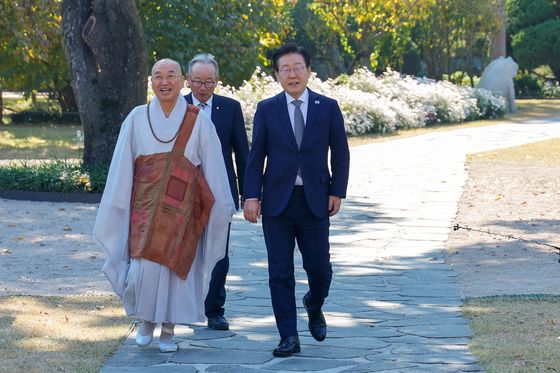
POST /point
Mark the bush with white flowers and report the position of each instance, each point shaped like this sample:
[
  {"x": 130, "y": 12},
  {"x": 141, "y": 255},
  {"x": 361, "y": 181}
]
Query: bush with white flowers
[{"x": 381, "y": 104}]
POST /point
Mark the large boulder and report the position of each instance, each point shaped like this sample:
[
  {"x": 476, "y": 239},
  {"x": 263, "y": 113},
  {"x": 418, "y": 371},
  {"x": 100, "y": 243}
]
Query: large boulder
[{"x": 498, "y": 78}]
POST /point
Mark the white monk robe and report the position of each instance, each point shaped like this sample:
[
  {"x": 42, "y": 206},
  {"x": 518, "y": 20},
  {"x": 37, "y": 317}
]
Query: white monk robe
[{"x": 151, "y": 291}]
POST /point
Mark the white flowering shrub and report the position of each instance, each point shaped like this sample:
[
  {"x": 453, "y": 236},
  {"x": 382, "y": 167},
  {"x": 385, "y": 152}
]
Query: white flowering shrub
[
  {"x": 489, "y": 104},
  {"x": 551, "y": 89},
  {"x": 381, "y": 104}
]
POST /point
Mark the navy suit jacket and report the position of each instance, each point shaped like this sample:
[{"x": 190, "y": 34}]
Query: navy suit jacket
[
  {"x": 230, "y": 126},
  {"x": 273, "y": 139}
]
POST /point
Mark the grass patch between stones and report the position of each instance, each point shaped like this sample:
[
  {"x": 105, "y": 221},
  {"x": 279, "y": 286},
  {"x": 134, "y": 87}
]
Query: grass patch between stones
[{"x": 60, "y": 334}]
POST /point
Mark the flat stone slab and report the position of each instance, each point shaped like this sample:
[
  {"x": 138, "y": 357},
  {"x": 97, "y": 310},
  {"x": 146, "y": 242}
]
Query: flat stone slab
[
  {"x": 438, "y": 331},
  {"x": 230, "y": 369},
  {"x": 222, "y": 356},
  {"x": 307, "y": 365},
  {"x": 167, "y": 368}
]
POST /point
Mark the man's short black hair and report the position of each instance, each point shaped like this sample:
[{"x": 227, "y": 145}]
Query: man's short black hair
[{"x": 289, "y": 49}]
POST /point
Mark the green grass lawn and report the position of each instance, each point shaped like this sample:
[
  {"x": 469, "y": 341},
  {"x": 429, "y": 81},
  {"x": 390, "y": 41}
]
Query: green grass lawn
[
  {"x": 515, "y": 333},
  {"x": 40, "y": 141}
]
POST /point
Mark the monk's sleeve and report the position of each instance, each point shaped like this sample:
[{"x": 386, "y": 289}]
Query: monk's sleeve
[{"x": 113, "y": 217}]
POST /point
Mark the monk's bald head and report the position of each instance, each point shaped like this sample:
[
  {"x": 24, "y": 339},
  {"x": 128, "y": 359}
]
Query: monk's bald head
[{"x": 167, "y": 64}]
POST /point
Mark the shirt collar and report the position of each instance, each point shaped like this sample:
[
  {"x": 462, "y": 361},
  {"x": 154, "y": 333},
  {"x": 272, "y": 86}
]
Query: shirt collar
[
  {"x": 304, "y": 97},
  {"x": 195, "y": 101}
]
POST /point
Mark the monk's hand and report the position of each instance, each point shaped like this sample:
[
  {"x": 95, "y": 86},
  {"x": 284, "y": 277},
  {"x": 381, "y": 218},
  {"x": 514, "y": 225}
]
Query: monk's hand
[
  {"x": 334, "y": 205},
  {"x": 252, "y": 210}
]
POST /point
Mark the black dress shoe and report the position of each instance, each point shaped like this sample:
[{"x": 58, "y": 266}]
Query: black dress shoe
[
  {"x": 287, "y": 347},
  {"x": 317, "y": 323},
  {"x": 218, "y": 323}
]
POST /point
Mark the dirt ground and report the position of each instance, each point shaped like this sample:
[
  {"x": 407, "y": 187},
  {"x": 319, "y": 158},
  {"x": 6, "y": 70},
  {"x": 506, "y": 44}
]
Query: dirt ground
[
  {"x": 517, "y": 200},
  {"x": 46, "y": 248}
]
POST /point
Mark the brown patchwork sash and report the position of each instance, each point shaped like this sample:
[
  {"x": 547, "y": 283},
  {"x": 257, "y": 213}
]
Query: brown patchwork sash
[{"x": 170, "y": 206}]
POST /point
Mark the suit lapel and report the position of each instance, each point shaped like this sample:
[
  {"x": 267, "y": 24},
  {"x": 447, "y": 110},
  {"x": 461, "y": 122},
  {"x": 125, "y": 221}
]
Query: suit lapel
[
  {"x": 216, "y": 107},
  {"x": 313, "y": 107}
]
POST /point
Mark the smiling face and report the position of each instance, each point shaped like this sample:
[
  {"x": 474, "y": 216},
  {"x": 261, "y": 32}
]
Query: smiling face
[
  {"x": 292, "y": 74},
  {"x": 167, "y": 81}
]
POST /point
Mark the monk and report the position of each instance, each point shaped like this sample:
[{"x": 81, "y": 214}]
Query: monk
[{"x": 154, "y": 288}]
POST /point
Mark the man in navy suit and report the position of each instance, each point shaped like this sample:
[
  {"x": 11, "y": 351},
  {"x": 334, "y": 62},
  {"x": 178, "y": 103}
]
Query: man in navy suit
[
  {"x": 297, "y": 193},
  {"x": 202, "y": 78}
]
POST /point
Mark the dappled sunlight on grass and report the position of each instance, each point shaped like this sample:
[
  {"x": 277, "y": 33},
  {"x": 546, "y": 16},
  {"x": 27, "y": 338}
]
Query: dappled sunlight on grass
[
  {"x": 9, "y": 140},
  {"x": 515, "y": 331},
  {"x": 39, "y": 142},
  {"x": 51, "y": 333},
  {"x": 545, "y": 152}
]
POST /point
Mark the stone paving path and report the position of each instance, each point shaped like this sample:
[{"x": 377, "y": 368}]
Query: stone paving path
[{"x": 394, "y": 304}]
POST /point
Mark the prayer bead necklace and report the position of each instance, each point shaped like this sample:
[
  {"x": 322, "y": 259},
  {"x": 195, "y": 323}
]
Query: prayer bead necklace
[{"x": 152, "y": 128}]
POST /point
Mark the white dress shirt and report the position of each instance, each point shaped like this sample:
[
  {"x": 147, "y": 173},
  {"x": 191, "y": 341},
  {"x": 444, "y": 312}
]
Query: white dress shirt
[{"x": 208, "y": 108}]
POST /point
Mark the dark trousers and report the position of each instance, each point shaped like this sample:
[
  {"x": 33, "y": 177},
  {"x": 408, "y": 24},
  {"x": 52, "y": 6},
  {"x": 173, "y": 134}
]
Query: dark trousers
[
  {"x": 214, "y": 303},
  {"x": 296, "y": 223}
]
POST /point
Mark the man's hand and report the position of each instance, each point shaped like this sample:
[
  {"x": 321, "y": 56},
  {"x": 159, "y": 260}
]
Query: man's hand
[
  {"x": 334, "y": 205},
  {"x": 252, "y": 210}
]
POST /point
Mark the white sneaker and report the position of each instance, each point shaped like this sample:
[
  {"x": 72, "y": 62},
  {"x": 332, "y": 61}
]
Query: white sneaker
[{"x": 144, "y": 340}]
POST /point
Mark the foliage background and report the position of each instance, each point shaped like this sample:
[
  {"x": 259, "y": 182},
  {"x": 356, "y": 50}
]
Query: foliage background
[{"x": 433, "y": 38}]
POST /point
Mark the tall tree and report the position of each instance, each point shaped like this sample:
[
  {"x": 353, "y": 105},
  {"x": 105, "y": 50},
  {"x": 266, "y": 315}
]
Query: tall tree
[
  {"x": 455, "y": 35},
  {"x": 106, "y": 53},
  {"x": 362, "y": 24},
  {"x": 31, "y": 49},
  {"x": 534, "y": 26},
  {"x": 329, "y": 57},
  {"x": 499, "y": 36},
  {"x": 238, "y": 32}
]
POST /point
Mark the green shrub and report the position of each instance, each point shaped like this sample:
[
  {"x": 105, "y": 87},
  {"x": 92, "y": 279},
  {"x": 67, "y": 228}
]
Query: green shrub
[
  {"x": 528, "y": 86},
  {"x": 40, "y": 116},
  {"x": 61, "y": 176}
]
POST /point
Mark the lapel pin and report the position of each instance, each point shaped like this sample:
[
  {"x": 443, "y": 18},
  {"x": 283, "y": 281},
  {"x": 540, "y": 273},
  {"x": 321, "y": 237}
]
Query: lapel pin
[
  {"x": 317, "y": 102},
  {"x": 217, "y": 108}
]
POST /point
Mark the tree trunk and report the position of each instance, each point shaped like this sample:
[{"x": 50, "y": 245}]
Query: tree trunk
[
  {"x": 66, "y": 99},
  {"x": 499, "y": 35},
  {"x": 1, "y": 106},
  {"x": 106, "y": 52}
]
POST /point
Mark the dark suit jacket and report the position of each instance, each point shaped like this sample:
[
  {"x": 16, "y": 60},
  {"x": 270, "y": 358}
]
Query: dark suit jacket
[
  {"x": 273, "y": 139},
  {"x": 230, "y": 126}
]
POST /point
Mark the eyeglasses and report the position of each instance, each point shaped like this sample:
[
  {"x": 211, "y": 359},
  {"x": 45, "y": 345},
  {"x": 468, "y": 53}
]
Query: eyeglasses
[
  {"x": 169, "y": 78},
  {"x": 200, "y": 83},
  {"x": 294, "y": 70}
]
